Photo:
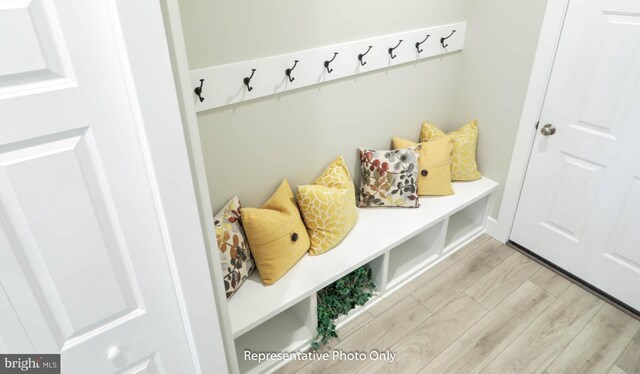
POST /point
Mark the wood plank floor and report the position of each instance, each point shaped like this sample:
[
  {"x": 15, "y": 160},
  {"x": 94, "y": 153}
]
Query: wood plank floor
[{"x": 488, "y": 309}]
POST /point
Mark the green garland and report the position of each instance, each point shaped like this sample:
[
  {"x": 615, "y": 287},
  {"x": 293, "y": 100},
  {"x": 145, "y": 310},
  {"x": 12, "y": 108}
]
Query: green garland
[{"x": 338, "y": 298}]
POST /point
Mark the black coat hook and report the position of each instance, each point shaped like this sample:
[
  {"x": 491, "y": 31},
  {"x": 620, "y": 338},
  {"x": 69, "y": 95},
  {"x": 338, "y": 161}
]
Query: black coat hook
[
  {"x": 198, "y": 90},
  {"x": 327, "y": 62},
  {"x": 418, "y": 44},
  {"x": 247, "y": 80},
  {"x": 445, "y": 38},
  {"x": 393, "y": 48},
  {"x": 361, "y": 55},
  {"x": 288, "y": 71}
]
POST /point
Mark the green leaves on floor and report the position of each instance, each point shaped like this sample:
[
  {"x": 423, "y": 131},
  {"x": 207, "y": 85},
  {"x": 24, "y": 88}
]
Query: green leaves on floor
[{"x": 338, "y": 299}]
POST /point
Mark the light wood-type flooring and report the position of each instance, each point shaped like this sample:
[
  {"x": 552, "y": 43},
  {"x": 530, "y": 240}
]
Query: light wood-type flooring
[{"x": 488, "y": 309}]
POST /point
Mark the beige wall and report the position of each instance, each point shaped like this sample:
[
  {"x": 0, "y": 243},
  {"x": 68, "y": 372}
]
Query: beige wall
[
  {"x": 250, "y": 147},
  {"x": 219, "y": 32},
  {"x": 501, "y": 40}
]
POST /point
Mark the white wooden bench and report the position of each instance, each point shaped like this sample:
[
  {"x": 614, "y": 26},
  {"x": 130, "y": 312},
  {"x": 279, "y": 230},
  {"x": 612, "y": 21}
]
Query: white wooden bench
[{"x": 397, "y": 244}]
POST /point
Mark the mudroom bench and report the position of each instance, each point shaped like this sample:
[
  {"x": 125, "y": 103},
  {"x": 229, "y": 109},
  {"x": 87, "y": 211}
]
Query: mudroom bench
[{"x": 397, "y": 244}]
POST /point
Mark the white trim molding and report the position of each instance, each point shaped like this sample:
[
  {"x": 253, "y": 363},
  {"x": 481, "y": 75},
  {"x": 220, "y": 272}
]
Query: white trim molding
[
  {"x": 491, "y": 227},
  {"x": 139, "y": 20},
  {"x": 205, "y": 327},
  {"x": 534, "y": 100}
]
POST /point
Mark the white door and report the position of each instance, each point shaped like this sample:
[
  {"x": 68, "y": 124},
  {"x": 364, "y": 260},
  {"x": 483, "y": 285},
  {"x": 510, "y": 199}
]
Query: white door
[
  {"x": 84, "y": 266},
  {"x": 580, "y": 204}
]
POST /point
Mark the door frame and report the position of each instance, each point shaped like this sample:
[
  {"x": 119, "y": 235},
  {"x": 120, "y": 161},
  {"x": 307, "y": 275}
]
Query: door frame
[
  {"x": 186, "y": 99},
  {"x": 139, "y": 32},
  {"x": 550, "y": 33}
]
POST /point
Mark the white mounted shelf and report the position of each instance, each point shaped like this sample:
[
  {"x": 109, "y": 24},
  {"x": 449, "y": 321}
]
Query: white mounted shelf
[
  {"x": 224, "y": 84},
  {"x": 377, "y": 232}
]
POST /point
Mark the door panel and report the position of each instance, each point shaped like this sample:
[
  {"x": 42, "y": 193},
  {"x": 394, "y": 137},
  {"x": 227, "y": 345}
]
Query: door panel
[
  {"x": 626, "y": 232},
  {"x": 38, "y": 56},
  {"x": 577, "y": 184},
  {"x": 150, "y": 365},
  {"x": 580, "y": 200},
  {"x": 10, "y": 327},
  {"x": 608, "y": 84},
  {"x": 58, "y": 180}
]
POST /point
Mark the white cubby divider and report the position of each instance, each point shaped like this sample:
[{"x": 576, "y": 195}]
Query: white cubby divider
[
  {"x": 465, "y": 223},
  {"x": 378, "y": 267},
  {"x": 224, "y": 84},
  {"x": 397, "y": 244}
]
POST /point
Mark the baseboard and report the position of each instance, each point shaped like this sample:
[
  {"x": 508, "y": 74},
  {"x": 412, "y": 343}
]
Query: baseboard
[
  {"x": 579, "y": 281},
  {"x": 492, "y": 228}
]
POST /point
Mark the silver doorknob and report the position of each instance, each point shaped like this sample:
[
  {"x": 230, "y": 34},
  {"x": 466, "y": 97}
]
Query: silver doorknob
[{"x": 548, "y": 129}]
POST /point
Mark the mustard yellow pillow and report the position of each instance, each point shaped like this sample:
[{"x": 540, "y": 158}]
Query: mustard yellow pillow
[
  {"x": 463, "y": 159},
  {"x": 434, "y": 175},
  {"x": 276, "y": 234},
  {"x": 328, "y": 207}
]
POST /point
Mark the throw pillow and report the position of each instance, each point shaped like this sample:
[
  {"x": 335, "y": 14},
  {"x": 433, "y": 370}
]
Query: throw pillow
[
  {"x": 389, "y": 178},
  {"x": 276, "y": 233},
  {"x": 235, "y": 255},
  {"x": 463, "y": 159},
  {"x": 328, "y": 207},
  {"x": 434, "y": 177}
]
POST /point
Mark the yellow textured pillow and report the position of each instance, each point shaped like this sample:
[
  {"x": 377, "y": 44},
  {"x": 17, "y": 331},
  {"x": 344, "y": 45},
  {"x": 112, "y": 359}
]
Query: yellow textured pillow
[
  {"x": 463, "y": 158},
  {"x": 328, "y": 207},
  {"x": 434, "y": 175},
  {"x": 276, "y": 234}
]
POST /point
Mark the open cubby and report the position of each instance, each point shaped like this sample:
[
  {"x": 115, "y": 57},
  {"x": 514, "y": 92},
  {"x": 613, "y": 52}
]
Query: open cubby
[
  {"x": 465, "y": 223},
  {"x": 378, "y": 267},
  {"x": 415, "y": 254},
  {"x": 290, "y": 330}
]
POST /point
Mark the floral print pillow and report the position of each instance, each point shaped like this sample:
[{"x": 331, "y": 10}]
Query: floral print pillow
[
  {"x": 235, "y": 255},
  {"x": 389, "y": 178}
]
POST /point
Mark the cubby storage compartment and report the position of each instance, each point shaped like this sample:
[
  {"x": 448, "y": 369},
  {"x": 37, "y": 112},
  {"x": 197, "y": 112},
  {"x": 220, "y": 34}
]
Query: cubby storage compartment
[
  {"x": 466, "y": 223},
  {"x": 415, "y": 254},
  {"x": 378, "y": 267},
  {"x": 288, "y": 331}
]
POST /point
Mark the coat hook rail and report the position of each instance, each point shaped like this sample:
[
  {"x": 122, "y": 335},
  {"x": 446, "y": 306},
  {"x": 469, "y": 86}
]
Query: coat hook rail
[
  {"x": 445, "y": 38},
  {"x": 241, "y": 81},
  {"x": 361, "y": 55},
  {"x": 327, "y": 62},
  {"x": 419, "y": 43},
  {"x": 290, "y": 70},
  {"x": 247, "y": 80},
  {"x": 390, "y": 50}
]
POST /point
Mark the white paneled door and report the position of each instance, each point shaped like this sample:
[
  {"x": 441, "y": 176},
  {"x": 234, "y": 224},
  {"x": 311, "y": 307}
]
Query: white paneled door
[
  {"x": 84, "y": 265},
  {"x": 580, "y": 204}
]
